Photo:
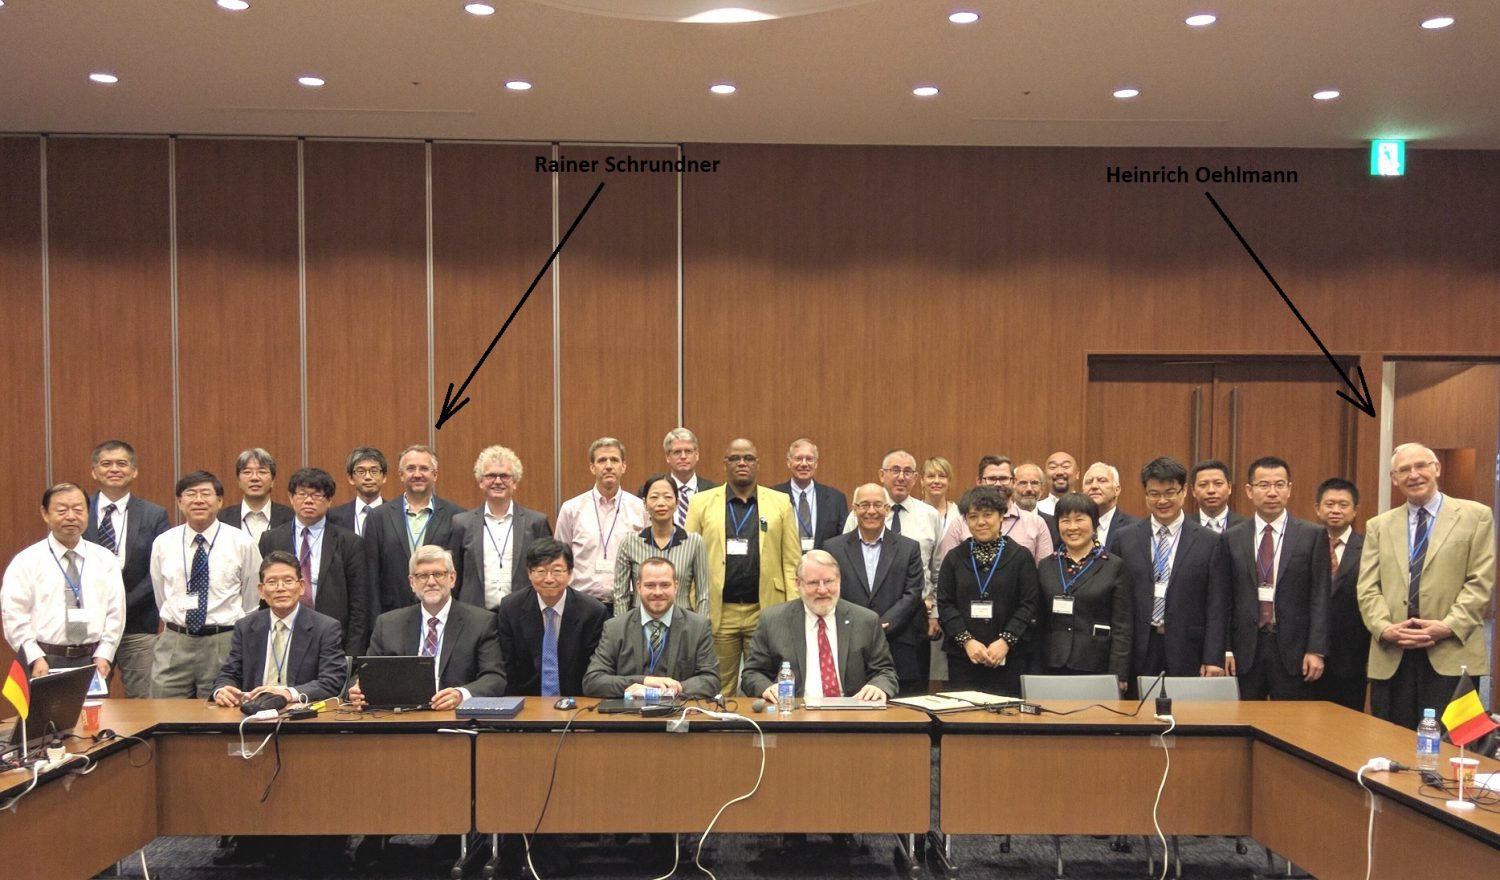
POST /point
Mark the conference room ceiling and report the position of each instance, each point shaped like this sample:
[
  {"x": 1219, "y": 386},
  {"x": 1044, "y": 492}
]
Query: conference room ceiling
[{"x": 1028, "y": 72}]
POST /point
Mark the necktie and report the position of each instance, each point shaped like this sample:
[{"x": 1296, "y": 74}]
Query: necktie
[
  {"x": 896, "y": 518},
  {"x": 1163, "y": 566},
  {"x": 1333, "y": 557},
  {"x": 107, "y": 529},
  {"x": 1265, "y": 563},
  {"x": 655, "y": 647},
  {"x": 429, "y": 644},
  {"x": 197, "y": 618},
  {"x": 826, "y": 669},
  {"x": 684, "y": 495},
  {"x": 304, "y": 563},
  {"x": 1219, "y": 524},
  {"x": 276, "y": 665},
  {"x": 804, "y": 515},
  {"x": 1418, "y": 559},
  {"x": 359, "y": 521},
  {"x": 551, "y": 686},
  {"x": 77, "y": 632}
]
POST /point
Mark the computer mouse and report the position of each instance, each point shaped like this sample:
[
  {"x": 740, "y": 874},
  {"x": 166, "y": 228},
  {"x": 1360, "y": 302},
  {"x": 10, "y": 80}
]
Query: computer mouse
[
  {"x": 565, "y": 704},
  {"x": 104, "y": 735}
]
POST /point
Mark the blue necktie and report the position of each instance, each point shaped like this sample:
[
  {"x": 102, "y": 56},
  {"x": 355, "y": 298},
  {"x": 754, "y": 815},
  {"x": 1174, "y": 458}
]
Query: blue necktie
[
  {"x": 550, "y": 685},
  {"x": 198, "y": 585},
  {"x": 1418, "y": 559},
  {"x": 107, "y": 529},
  {"x": 1161, "y": 568}
]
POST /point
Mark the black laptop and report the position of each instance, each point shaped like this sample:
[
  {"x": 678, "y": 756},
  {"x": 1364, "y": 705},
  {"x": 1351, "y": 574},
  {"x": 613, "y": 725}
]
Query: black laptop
[
  {"x": 56, "y": 702},
  {"x": 399, "y": 682}
]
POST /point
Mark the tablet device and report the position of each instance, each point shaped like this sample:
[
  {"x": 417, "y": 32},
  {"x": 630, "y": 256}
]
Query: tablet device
[{"x": 399, "y": 682}]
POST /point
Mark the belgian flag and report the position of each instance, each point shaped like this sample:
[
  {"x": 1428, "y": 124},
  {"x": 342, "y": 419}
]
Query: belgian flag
[{"x": 1465, "y": 717}]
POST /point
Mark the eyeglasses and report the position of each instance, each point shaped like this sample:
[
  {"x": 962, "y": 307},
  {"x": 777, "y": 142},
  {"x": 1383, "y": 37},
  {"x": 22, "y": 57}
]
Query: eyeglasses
[
  {"x": 497, "y": 478},
  {"x": 901, "y": 471},
  {"x": 280, "y": 583},
  {"x": 368, "y": 471},
  {"x": 870, "y": 505},
  {"x": 735, "y": 459},
  {"x": 430, "y": 577},
  {"x": 1168, "y": 495},
  {"x": 308, "y": 495},
  {"x": 1267, "y": 485},
  {"x": 1422, "y": 466},
  {"x": 199, "y": 493},
  {"x": 803, "y": 459},
  {"x": 823, "y": 582},
  {"x": 557, "y": 571},
  {"x": 994, "y": 481}
]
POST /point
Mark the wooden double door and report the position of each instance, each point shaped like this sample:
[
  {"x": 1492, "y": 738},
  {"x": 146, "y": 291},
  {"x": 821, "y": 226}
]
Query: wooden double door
[{"x": 1231, "y": 408}]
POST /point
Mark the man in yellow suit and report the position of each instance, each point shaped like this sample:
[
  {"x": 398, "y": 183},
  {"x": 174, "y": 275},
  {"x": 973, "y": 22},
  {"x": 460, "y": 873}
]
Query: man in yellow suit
[{"x": 753, "y": 550}]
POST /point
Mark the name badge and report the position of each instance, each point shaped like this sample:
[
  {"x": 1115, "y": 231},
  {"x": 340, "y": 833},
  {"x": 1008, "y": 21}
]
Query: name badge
[
  {"x": 1266, "y": 594},
  {"x": 187, "y": 603},
  {"x": 1159, "y": 591},
  {"x": 738, "y": 547},
  {"x": 807, "y": 544},
  {"x": 602, "y": 566},
  {"x": 80, "y": 615},
  {"x": 982, "y": 610},
  {"x": 1062, "y": 604}
]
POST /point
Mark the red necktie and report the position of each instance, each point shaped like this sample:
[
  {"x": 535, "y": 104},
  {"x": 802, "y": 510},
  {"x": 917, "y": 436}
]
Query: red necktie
[
  {"x": 830, "y": 674},
  {"x": 1265, "y": 561}
]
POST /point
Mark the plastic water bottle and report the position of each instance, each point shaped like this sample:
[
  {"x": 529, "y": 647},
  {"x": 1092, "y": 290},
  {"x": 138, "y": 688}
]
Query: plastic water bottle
[
  {"x": 786, "y": 689},
  {"x": 1428, "y": 737}
]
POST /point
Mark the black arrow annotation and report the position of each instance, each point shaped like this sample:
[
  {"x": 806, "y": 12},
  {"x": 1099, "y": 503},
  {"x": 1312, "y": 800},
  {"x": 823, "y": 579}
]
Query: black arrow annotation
[
  {"x": 451, "y": 406},
  {"x": 1360, "y": 396}
]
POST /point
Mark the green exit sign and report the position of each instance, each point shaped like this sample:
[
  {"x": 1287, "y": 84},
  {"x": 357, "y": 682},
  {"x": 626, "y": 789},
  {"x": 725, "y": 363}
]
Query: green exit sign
[{"x": 1387, "y": 158}]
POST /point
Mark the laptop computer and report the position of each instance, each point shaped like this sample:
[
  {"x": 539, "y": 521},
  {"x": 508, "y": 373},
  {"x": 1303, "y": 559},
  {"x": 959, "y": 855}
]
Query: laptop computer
[
  {"x": 56, "y": 702},
  {"x": 627, "y": 706},
  {"x": 398, "y": 682}
]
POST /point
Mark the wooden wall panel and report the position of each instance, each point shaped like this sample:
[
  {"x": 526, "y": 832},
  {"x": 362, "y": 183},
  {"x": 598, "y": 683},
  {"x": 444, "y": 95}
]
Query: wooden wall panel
[
  {"x": 619, "y": 315},
  {"x": 237, "y": 305},
  {"x": 366, "y": 301},
  {"x": 111, "y": 317},
  {"x": 492, "y": 230},
  {"x": 1452, "y": 406},
  {"x": 21, "y": 433}
]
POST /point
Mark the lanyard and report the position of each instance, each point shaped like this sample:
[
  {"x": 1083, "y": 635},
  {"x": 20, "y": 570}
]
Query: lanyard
[
  {"x": 187, "y": 573},
  {"x": 500, "y": 548},
  {"x": 598, "y": 521},
  {"x": 286, "y": 650},
  {"x": 1067, "y": 584},
  {"x": 1171, "y": 547},
  {"x": 1416, "y": 550},
  {"x": 654, "y": 657},
  {"x": 739, "y": 524},
  {"x": 415, "y": 541},
  {"x": 807, "y": 524},
  {"x": 984, "y": 585},
  {"x": 75, "y": 589}
]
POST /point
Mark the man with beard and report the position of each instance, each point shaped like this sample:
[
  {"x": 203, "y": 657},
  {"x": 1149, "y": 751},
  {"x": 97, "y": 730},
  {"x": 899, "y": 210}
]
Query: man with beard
[{"x": 1028, "y": 495}]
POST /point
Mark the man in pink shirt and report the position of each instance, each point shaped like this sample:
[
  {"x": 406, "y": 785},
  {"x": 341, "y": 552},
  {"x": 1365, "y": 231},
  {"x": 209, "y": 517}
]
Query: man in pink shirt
[
  {"x": 593, "y": 524},
  {"x": 1024, "y": 527}
]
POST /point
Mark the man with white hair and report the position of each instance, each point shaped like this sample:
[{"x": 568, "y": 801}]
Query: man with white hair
[
  {"x": 681, "y": 447},
  {"x": 489, "y": 543},
  {"x": 1101, "y": 482},
  {"x": 1425, "y": 578}
]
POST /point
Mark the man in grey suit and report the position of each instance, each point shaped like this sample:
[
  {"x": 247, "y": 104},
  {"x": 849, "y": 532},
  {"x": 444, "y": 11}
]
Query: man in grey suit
[
  {"x": 882, "y": 571},
  {"x": 662, "y": 646},
  {"x": 417, "y": 517},
  {"x": 127, "y": 525},
  {"x": 463, "y": 638},
  {"x": 850, "y": 656},
  {"x": 489, "y": 543}
]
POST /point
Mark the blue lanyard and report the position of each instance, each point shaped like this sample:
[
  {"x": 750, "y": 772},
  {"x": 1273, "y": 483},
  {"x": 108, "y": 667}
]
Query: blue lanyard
[
  {"x": 603, "y": 535},
  {"x": 1067, "y": 585},
  {"x": 75, "y": 589},
  {"x": 739, "y": 524},
  {"x": 984, "y": 585},
  {"x": 807, "y": 524},
  {"x": 1265, "y": 574},
  {"x": 654, "y": 657},
  {"x": 500, "y": 548},
  {"x": 187, "y": 572},
  {"x": 414, "y": 540},
  {"x": 286, "y": 651},
  {"x": 1418, "y": 549}
]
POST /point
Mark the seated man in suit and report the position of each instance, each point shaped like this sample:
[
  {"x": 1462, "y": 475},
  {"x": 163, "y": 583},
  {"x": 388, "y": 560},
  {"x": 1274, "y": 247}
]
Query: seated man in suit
[
  {"x": 331, "y": 558},
  {"x": 283, "y": 648},
  {"x": 490, "y": 543},
  {"x": 882, "y": 571},
  {"x": 548, "y": 632},
  {"x": 664, "y": 646},
  {"x": 851, "y": 656},
  {"x": 463, "y": 638},
  {"x": 820, "y": 509}
]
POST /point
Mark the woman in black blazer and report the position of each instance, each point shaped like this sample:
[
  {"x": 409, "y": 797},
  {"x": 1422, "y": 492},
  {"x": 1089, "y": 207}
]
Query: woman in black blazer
[
  {"x": 987, "y": 600},
  {"x": 1085, "y": 604}
]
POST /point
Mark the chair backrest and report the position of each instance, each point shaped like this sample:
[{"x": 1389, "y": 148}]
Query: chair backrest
[
  {"x": 1101, "y": 688},
  {"x": 1186, "y": 687}
]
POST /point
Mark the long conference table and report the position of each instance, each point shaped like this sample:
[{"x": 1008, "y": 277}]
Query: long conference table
[{"x": 1281, "y": 773}]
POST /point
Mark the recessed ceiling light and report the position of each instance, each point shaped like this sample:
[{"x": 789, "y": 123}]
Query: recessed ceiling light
[
  {"x": 1202, "y": 19},
  {"x": 1437, "y": 22},
  {"x": 925, "y": 91},
  {"x": 108, "y": 79},
  {"x": 727, "y": 15},
  {"x": 1125, "y": 94},
  {"x": 479, "y": 9},
  {"x": 518, "y": 85},
  {"x": 311, "y": 82},
  {"x": 234, "y": 5},
  {"x": 964, "y": 17},
  {"x": 1326, "y": 94},
  {"x": 721, "y": 89}
]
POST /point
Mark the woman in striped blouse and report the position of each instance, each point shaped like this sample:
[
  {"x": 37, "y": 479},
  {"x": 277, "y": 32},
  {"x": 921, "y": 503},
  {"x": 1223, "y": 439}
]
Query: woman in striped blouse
[{"x": 662, "y": 537}]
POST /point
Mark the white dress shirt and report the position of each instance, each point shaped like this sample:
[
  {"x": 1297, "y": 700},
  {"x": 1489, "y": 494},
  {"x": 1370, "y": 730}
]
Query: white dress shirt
[
  {"x": 593, "y": 526},
  {"x": 362, "y": 513},
  {"x": 1105, "y": 521},
  {"x": 437, "y": 664},
  {"x": 1278, "y": 532},
  {"x": 1047, "y": 505},
  {"x": 233, "y": 573},
  {"x": 255, "y": 521},
  {"x": 122, "y": 508},
  {"x": 812, "y": 689},
  {"x": 499, "y": 554},
  {"x": 35, "y": 597}
]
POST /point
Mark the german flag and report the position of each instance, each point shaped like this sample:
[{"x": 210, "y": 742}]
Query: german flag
[
  {"x": 17, "y": 689},
  {"x": 1465, "y": 717}
]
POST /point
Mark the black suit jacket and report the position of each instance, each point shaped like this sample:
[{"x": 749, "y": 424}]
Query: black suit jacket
[
  {"x": 1101, "y": 596},
  {"x": 897, "y": 592},
  {"x": 521, "y": 628},
  {"x": 466, "y": 543},
  {"x": 1013, "y": 590},
  {"x": 1120, "y": 520},
  {"x": 343, "y": 588},
  {"x": 470, "y": 655},
  {"x": 1301, "y": 592},
  {"x": 1196, "y": 611},
  {"x": 833, "y": 509},
  {"x": 1343, "y": 678},
  {"x": 1051, "y": 522},
  {"x": 343, "y": 515},
  {"x": 143, "y": 522},
  {"x": 387, "y": 552},
  {"x": 315, "y": 663},
  {"x": 280, "y": 514}
]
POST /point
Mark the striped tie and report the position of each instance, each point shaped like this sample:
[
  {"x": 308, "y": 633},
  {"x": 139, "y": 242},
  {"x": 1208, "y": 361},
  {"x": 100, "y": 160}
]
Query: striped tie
[
  {"x": 684, "y": 495},
  {"x": 1163, "y": 568}
]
